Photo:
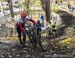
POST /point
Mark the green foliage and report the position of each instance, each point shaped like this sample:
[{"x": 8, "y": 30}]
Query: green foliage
[
  {"x": 38, "y": 3},
  {"x": 2, "y": 0}
]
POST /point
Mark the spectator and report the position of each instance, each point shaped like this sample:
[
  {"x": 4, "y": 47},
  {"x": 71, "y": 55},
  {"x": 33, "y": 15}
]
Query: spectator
[{"x": 42, "y": 20}]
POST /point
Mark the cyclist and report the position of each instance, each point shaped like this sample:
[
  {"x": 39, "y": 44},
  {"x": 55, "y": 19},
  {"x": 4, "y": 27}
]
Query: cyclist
[
  {"x": 38, "y": 39},
  {"x": 20, "y": 26}
]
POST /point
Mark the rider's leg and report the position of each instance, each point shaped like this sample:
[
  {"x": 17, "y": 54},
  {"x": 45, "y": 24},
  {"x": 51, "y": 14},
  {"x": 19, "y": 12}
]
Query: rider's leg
[
  {"x": 34, "y": 41},
  {"x": 39, "y": 40},
  {"x": 40, "y": 44},
  {"x": 54, "y": 33},
  {"x": 20, "y": 39},
  {"x": 19, "y": 35},
  {"x": 24, "y": 39}
]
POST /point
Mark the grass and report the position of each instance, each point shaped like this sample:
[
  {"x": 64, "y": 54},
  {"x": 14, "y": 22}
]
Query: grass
[
  {"x": 14, "y": 38},
  {"x": 69, "y": 42}
]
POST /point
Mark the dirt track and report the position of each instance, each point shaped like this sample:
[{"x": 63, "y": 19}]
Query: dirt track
[{"x": 16, "y": 51}]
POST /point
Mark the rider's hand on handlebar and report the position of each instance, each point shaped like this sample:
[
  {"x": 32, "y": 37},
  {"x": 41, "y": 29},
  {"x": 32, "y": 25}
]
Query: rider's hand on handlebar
[{"x": 25, "y": 32}]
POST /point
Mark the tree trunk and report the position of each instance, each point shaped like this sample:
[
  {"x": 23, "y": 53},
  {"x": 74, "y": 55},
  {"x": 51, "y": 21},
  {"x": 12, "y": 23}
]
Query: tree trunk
[
  {"x": 11, "y": 13},
  {"x": 47, "y": 11},
  {"x": 3, "y": 9},
  {"x": 27, "y": 6},
  {"x": 46, "y": 8},
  {"x": 11, "y": 8}
]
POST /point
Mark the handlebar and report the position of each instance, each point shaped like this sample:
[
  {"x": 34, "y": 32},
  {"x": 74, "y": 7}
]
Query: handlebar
[{"x": 30, "y": 27}]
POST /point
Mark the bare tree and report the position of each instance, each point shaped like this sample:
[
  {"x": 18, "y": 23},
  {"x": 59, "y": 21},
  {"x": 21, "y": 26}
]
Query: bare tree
[
  {"x": 11, "y": 8},
  {"x": 11, "y": 13},
  {"x": 3, "y": 8},
  {"x": 46, "y": 8},
  {"x": 27, "y": 6}
]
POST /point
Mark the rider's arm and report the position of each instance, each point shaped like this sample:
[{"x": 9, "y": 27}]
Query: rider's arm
[
  {"x": 30, "y": 19},
  {"x": 20, "y": 26}
]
